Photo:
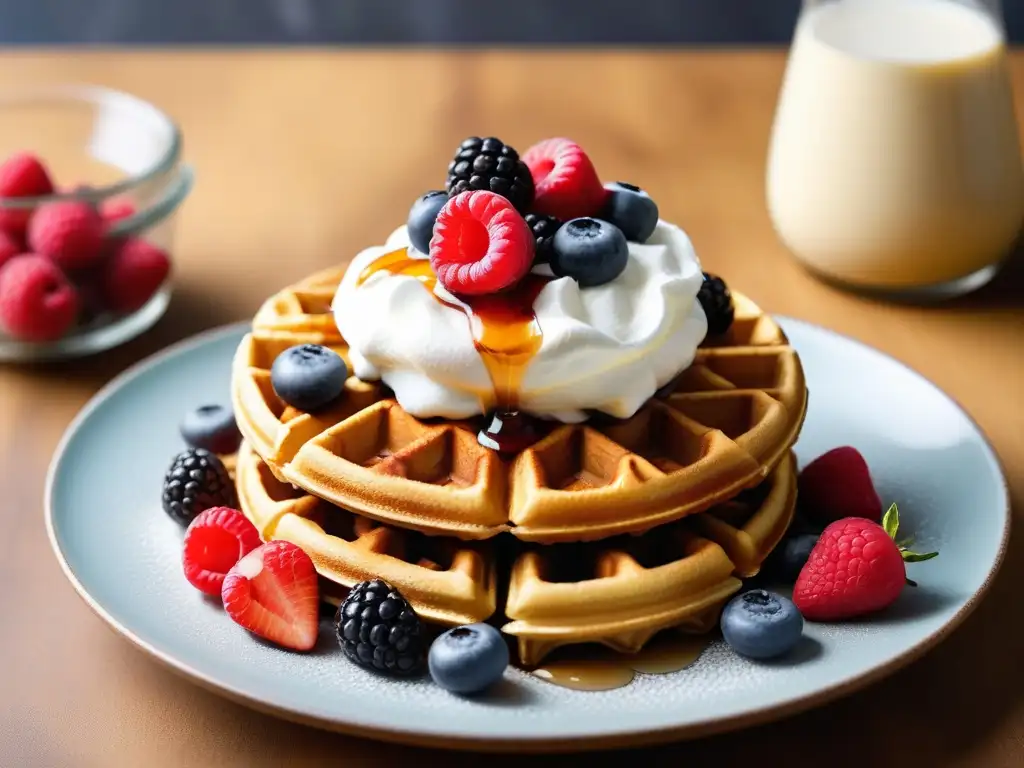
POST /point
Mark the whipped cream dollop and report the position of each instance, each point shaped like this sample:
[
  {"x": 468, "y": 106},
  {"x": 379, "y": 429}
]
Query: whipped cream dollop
[{"x": 606, "y": 348}]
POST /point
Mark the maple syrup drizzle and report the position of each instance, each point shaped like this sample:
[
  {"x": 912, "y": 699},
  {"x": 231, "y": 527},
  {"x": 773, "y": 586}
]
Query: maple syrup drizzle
[
  {"x": 505, "y": 333},
  {"x": 604, "y": 670}
]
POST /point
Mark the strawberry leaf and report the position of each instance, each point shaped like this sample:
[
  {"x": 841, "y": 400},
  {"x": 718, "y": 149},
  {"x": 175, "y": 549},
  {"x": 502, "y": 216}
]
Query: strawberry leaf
[
  {"x": 915, "y": 557},
  {"x": 891, "y": 521}
]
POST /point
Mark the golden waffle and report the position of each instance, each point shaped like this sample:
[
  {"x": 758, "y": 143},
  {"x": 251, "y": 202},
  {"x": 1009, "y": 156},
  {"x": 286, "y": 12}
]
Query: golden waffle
[
  {"x": 300, "y": 314},
  {"x": 620, "y": 592},
  {"x": 722, "y": 427},
  {"x": 447, "y": 581}
]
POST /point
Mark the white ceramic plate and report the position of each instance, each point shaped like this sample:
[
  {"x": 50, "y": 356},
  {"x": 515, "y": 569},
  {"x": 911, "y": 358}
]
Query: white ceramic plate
[{"x": 103, "y": 495}]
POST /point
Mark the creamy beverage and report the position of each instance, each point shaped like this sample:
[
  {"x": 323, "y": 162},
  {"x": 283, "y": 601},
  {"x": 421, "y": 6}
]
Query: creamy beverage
[{"x": 895, "y": 161}]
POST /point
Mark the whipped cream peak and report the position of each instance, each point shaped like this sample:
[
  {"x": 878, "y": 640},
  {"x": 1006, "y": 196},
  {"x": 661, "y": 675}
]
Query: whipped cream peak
[{"x": 606, "y": 348}]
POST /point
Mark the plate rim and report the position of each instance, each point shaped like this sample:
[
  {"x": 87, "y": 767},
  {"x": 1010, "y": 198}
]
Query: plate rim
[{"x": 463, "y": 741}]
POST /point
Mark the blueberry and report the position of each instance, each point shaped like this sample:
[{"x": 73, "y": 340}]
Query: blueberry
[
  {"x": 422, "y": 216},
  {"x": 308, "y": 376},
  {"x": 632, "y": 210},
  {"x": 793, "y": 554},
  {"x": 468, "y": 659},
  {"x": 761, "y": 625},
  {"x": 211, "y": 427},
  {"x": 590, "y": 251}
]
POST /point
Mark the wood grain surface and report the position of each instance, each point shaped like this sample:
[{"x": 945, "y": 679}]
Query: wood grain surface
[{"x": 302, "y": 158}]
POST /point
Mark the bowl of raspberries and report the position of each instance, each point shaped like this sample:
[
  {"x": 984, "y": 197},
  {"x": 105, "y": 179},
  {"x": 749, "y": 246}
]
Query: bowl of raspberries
[{"x": 90, "y": 182}]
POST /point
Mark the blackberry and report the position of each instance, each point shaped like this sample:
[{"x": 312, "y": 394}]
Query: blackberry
[
  {"x": 492, "y": 165},
  {"x": 378, "y": 629},
  {"x": 543, "y": 228},
  {"x": 716, "y": 300},
  {"x": 197, "y": 480}
]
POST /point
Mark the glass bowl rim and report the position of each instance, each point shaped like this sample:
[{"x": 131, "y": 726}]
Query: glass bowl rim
[{"x": 95, "y": 94}]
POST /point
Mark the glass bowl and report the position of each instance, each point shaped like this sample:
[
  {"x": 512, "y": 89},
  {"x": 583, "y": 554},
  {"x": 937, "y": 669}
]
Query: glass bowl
[{"x": 110, "y": 149}]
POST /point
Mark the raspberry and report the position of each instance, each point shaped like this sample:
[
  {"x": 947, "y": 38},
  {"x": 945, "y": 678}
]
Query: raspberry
[
  {"x": 132, "y": 274},
  {"x": 10, "y": 246},
  {"x": 480, "y": 245},
  {"x": 215, "y": 540},
  {"x": 21, "y": 175},
  {"x": 68, "y": 231},
  {"x": 856, "y": 568},
  {"x": 567, "y": 186},
  {"x": 37, "y": 303},
  {"x": 116, "y": 209}
]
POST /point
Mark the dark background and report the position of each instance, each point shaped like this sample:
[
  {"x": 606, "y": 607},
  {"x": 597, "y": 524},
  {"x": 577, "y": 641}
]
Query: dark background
[{"x": 409, "y": 22}]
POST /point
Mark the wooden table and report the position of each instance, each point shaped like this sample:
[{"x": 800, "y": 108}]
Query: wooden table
[{"x": 303, "y": 158}]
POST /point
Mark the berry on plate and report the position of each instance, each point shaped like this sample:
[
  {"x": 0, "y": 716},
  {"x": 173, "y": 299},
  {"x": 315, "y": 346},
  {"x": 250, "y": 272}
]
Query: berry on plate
[
  {"x": 567, "y": 184},
  {"x": 838, "y": 484},
  {"x": 761, "y": 625},
  {"x": 37, "y": 302},
  {"x": 421, "y": 219},
  {"x": 716, "y": 300},
  {"x": 856, "y": 568},
  {"x": 212, "y": 427},
  {"x": 195, "y": 481},
  {"x": 10, "y": 246},
  {"x": 308, "y": 376},
  {"x": 788, "y": 559},
  {"x": 214, "y": 542},
  {"x": 630, "y": 209},
  {"x": 468, "y": 659},
  {"x": 133, "y": 273},
  {"x": 21, "y": 175},
  {"x": 492, "y": 165},
  {"x": 68, "y": 231},
  {"x": 590, "y": 251},
  {"x": 480, "y": 245},
  {"x": 274, "y": 593},
  {"x": 543, "y": 229},
  {"x": 378, "y": 629}
]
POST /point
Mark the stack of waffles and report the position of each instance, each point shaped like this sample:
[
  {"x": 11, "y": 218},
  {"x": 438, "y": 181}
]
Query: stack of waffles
[{"x": 604, "y": 532}]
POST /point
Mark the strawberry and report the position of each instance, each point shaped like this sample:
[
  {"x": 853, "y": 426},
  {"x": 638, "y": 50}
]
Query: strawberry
[
  {"x": 480, "y": 245},
  {"x": 68, "y": 231},
  {"x": 836, "y": 485},
  {"x": 567, "y": 186},
  {"x": 37, "y": 302},
  {"x": 214, "y": 541},
  {"x": 274, "y": 593},
  {"x": 21, "y": 175},
  {"x": 856, "y": 568}
]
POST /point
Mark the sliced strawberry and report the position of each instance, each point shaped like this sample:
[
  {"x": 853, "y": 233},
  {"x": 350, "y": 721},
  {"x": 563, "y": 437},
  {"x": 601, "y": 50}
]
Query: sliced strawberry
[
  {"x": 480, "y": 245},
  {"x": 836, "y": 485},
  {"x": 567, "y": 186},
  {"x": 274, "y": 593},
  {"x": 214, "y": 541}
]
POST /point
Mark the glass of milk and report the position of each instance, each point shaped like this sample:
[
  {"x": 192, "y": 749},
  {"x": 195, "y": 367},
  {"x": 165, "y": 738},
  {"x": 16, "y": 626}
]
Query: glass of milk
[{"x": 895, "y": 164}]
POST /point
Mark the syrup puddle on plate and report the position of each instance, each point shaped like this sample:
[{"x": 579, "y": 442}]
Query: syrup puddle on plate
[
  {"x": 601, "y": 669},
  {"x": 506, "y": 335}
]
